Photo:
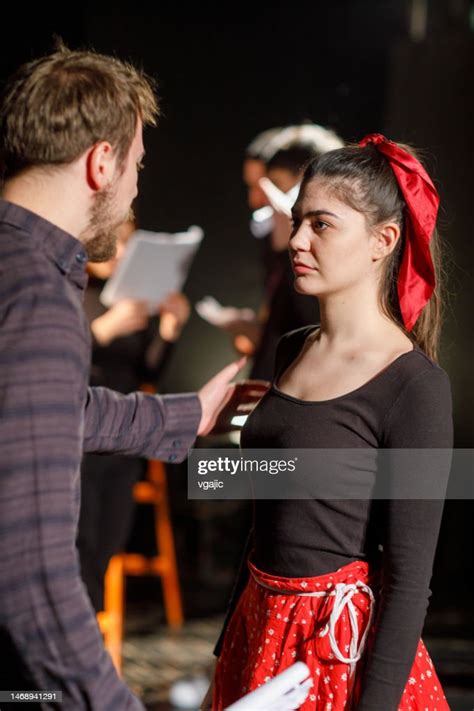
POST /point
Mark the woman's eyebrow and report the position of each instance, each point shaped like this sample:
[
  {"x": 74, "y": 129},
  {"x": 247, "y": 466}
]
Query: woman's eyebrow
[{"x": 313, "y": 213}]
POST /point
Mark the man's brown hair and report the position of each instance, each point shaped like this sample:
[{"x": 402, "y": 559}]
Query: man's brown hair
[{"x": 54, "y": 108}]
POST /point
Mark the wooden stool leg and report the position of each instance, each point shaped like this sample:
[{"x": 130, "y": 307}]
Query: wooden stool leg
[
  {"x": 166, "y": 551},
  {"x": 111, "y": 620}
]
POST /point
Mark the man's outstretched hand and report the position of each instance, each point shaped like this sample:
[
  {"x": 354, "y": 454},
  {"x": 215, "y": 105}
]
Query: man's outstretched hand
[{"x": 215, "y": 395}]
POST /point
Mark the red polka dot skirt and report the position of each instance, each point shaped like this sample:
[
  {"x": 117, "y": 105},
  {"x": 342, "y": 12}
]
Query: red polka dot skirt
[{"x": 322, "y": 621}]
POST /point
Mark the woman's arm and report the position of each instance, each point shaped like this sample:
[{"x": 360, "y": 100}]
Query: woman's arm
[
  {"x": 239, "y": 587},
  {"x": 419, "y": 419}
]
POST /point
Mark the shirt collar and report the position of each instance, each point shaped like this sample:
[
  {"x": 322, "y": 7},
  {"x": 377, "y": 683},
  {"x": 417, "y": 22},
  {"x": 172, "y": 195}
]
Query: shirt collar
[{"x": 59, "y": 246}]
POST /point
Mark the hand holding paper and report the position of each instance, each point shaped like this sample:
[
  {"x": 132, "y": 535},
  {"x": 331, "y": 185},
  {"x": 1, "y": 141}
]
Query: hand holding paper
[
  {"x": 228, "y": 318},
  {"x": 174, "y": 312},
  {"x": 124, "y": 318}
]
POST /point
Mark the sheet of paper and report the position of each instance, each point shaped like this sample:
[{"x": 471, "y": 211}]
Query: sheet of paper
[
  {"x": 154, "y": 265},
  {"x": 286, "y": 691},
  {"x": 214, "y": 313},
  {"x": 280, "y": 201}
]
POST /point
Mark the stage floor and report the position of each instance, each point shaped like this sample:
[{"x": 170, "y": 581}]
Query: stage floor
[{"x": 155, "y": 657}]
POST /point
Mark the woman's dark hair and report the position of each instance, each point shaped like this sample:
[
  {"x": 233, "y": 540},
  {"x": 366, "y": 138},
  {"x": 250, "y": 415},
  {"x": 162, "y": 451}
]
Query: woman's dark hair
[{"x": 363, "y": 179}]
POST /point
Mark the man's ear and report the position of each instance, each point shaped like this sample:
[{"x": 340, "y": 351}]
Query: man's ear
[
  {"x": 100, "y": 165},
  {"x": 385, "y": 240}
]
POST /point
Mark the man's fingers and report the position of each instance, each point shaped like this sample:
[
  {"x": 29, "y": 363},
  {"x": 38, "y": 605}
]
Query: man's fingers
[
  {"x": 231, "y": 370},
  {"x": 229, "y": 392}
]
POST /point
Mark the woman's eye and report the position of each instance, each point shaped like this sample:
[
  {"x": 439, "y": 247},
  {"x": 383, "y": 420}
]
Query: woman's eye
[
  {"x": 320, "y": 225},
  {"x": 295, "y": 224},
  {"x": 140, "y": 166}
]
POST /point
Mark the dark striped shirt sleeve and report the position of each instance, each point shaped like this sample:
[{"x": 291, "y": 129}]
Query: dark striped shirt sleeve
[{"x": 139, "y": 424}]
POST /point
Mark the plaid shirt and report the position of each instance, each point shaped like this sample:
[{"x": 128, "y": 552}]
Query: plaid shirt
[{"x": 49, "y": 639}]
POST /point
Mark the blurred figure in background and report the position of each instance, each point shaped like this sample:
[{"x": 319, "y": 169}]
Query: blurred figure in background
[
  {"x": 280, "y": 154},
  {"x": 129, "y": 348},
  {"x": 254, "y": 167},
  {"x": 287, "y": 156}
]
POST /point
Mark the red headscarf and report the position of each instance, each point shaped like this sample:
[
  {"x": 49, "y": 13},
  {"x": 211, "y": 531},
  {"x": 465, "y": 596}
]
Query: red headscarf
[{"x": 416, "y": 279}]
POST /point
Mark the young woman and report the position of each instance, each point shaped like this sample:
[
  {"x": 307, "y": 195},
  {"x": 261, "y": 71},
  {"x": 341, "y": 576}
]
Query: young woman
[{"x": 343, "y": 585}]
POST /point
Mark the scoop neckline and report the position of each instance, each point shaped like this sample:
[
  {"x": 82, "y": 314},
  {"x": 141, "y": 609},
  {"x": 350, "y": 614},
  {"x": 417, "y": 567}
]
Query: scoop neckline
[{"x": 376, "y": 377}]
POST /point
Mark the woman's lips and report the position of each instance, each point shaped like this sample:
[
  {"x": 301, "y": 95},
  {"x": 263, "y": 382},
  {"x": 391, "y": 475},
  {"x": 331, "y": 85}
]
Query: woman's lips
[{"x": 302, "y": 269}]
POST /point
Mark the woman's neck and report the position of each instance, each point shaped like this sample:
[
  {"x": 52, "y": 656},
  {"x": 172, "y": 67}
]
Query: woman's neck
[{"x": 348, "y": 320}]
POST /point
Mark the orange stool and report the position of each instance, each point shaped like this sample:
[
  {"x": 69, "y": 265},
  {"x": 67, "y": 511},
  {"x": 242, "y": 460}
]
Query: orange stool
[
  {"x": 152, "y": 491},
  {"x": 110, "y": 619}
]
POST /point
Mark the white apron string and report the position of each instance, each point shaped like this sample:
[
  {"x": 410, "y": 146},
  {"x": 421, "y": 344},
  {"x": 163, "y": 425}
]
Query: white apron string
[{"x": 343, "y": 594}]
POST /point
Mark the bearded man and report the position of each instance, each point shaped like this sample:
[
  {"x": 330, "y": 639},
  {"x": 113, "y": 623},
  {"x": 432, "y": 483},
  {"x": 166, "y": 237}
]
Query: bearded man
[{"x": 70, "y": 150}]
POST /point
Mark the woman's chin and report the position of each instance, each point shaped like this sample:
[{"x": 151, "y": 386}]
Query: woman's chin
[{"x": 304, "y": 287}]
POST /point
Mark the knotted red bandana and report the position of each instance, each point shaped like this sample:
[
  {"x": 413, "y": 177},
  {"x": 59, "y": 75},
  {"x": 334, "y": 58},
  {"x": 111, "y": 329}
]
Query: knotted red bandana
[{"x": 416, "y": 279}]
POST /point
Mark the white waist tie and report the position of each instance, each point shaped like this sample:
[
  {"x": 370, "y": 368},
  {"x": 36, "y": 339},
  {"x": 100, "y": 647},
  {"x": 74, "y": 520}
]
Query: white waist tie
[{"x": 343, "y": 594}]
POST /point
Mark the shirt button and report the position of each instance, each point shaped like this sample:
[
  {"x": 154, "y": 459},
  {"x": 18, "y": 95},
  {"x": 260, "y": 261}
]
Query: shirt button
[
  {"x": 172, "y": 458},
  {"x": 177, "y": 443},
  {"x": 81, "y": 257}
]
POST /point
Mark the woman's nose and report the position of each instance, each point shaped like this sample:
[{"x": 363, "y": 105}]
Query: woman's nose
[{"x": 299, "y": 240}]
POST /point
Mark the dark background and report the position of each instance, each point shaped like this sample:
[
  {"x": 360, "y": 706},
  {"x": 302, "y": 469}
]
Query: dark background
[
  {"x": 358, "y": 67},
  {"x": 355, "y": 66}
]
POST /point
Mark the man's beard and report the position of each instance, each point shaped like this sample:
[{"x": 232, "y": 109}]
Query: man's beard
[{"x": 100, "y": 236}]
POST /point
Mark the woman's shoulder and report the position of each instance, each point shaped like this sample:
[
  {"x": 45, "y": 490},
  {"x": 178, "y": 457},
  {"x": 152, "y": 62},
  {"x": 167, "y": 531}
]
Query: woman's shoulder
[
  {"x": 289, "y": 345},
  {"x": 415, "y": 382},
  {"x": 420, "y": 403},
  {"x": 417, "y": 367},
  {"x": 296, "y": 336}
]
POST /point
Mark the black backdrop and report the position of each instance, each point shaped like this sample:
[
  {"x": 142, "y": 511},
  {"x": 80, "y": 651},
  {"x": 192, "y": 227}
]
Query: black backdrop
[{"x": 348, "y": 65}]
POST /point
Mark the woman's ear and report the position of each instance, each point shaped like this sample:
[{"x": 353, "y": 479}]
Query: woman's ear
[
  {"x": 100, "y": 165},
  {"x": 385, "y": 240}
]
